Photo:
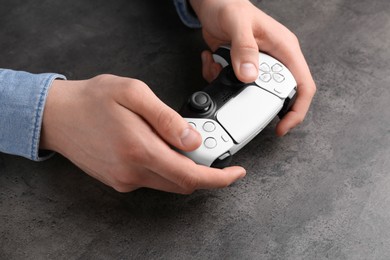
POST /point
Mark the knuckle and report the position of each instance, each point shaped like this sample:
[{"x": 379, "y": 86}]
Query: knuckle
[
  {"x": 133, "y": 150},
  {"x": 136, "y": 92},
  {"x": 224, "y": 183},
  {"x": 137, "y": 84},
  {"x": 236, "y": 7},
  {"x": 137, "y": 154},
  {"x": 313, "y": 90},
  {"x": 186, "y": 192},
  {"x": 287, "y": 40},
  {"x": 165, "y": 120},
  {"x": 226, "y": 10},
  {"x": 120, "y": 181},
  {"x": 293, "y": 38},
  {"x": 189, "y": 184},
  {"x": 299, "y": 118},
  {"x": 102, "y": 83},
  {"x": 126, "y": 180},
  {"x": 132, "y": 89},
  {"x": 123, "y": 188},
  {"x": 105, "y": 77}
]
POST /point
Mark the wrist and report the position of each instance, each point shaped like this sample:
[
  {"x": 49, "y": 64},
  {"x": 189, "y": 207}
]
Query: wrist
[
  {"x": 53, "y": 114},
  {"x": 45, "y": 142}
]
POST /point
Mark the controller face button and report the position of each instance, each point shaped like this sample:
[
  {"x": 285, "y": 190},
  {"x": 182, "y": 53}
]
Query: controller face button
[
  {"x": 225, "y": 138},
  {"x": 278, "y": 77},
  {"x": 277, "y": 67},
  {"x": 192, "y": 124},
  {"x": 265, "y": 77},
  {"x": 210, "y": 143},
  {"x": 264, "y": 67},
  {"x": 209, "y": 126},
  {"x": 200, "y": 101}
]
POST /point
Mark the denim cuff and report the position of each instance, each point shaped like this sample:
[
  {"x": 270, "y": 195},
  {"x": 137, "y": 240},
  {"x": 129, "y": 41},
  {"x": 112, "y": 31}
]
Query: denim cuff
[
  {"x": 22, "y": 101},
  {"x": 187, "y": 14}
]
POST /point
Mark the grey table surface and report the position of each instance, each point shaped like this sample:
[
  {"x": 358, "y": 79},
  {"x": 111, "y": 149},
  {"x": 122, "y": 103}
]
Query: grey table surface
[{"x": 321, "y": 192}]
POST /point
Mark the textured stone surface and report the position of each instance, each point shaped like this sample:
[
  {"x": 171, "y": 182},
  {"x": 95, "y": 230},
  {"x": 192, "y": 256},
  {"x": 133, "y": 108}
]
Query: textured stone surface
[{"x": 321, "y": 192}]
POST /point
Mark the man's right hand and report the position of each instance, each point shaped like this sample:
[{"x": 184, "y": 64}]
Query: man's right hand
[{"x": 116, "y": 130}]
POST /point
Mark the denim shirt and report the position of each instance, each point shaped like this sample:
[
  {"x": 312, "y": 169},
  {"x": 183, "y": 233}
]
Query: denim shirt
[
  {"x": 186, "y": 14},
  {"x": 22, "y": 100},
  {"x": 23, "y": 97}
]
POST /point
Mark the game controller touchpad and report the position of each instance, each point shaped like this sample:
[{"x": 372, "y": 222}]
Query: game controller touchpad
[{"x": 248, "y": 112}]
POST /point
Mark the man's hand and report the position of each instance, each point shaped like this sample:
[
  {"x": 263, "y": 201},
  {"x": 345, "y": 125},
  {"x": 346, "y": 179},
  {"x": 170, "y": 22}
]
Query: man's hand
[
  {"x": 247, "y": 29},
  {"x": 116, "y": 130}
]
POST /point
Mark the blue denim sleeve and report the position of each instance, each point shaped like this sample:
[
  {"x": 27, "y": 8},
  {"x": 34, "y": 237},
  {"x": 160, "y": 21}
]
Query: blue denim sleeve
[
  {"x": 22, "y": 100},
  {"x": 186, "y": 14}
]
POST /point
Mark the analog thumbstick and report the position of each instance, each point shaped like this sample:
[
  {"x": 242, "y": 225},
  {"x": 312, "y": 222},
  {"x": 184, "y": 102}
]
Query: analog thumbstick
[{"x": 200, "y": 101}]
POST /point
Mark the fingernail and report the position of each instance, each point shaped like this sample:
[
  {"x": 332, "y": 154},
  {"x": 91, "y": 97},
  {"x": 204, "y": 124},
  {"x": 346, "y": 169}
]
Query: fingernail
[
  {"x": 248, "y": 70},
  {"x": 189, "y": 137},
  {"x": 243, "y": 173},
  {"x": 285, "y": 132},
  {"x": 238, "y": 171}
]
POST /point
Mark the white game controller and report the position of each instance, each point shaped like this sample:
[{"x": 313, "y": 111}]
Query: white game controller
[{"x": 229, "y": 113}]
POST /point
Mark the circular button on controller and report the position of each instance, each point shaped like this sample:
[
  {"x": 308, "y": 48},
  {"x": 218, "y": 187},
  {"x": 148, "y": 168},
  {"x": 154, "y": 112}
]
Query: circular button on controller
[
  {"x": 209, "y": 126},
  {"x": 200, "y": 101},
  {"x": 192, "y": 124},
  {"x": 210, "y": 142}
]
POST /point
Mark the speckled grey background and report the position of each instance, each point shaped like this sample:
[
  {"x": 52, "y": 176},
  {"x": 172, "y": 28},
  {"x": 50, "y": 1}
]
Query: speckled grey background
[{"x": 321, "y": 192}]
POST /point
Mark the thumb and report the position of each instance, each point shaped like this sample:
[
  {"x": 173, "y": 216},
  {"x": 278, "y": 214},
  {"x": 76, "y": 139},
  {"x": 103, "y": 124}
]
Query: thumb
[
  {"x": 245, "y": 55},
  {"x": 164, "y": 120},
  {"x": 173, "y": 128}
]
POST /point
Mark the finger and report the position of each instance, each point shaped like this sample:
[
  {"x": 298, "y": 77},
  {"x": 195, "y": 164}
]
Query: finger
[
  {"x": 244, "y": 50},
  {"x": 135, "y": 149},
  {"x": 182, "y": 171},
  {"x": 210, "y": 69},
  {"x": 174, "y": 172},
  {"x": 298, "y": 110},
  {"x": 306, "y": 89},
  {"x": 186, "y": 174},
  {"x": 284, "y": 46},
  {"x": 138, "y": 98},
  {"x": 140, "y": 177}
]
